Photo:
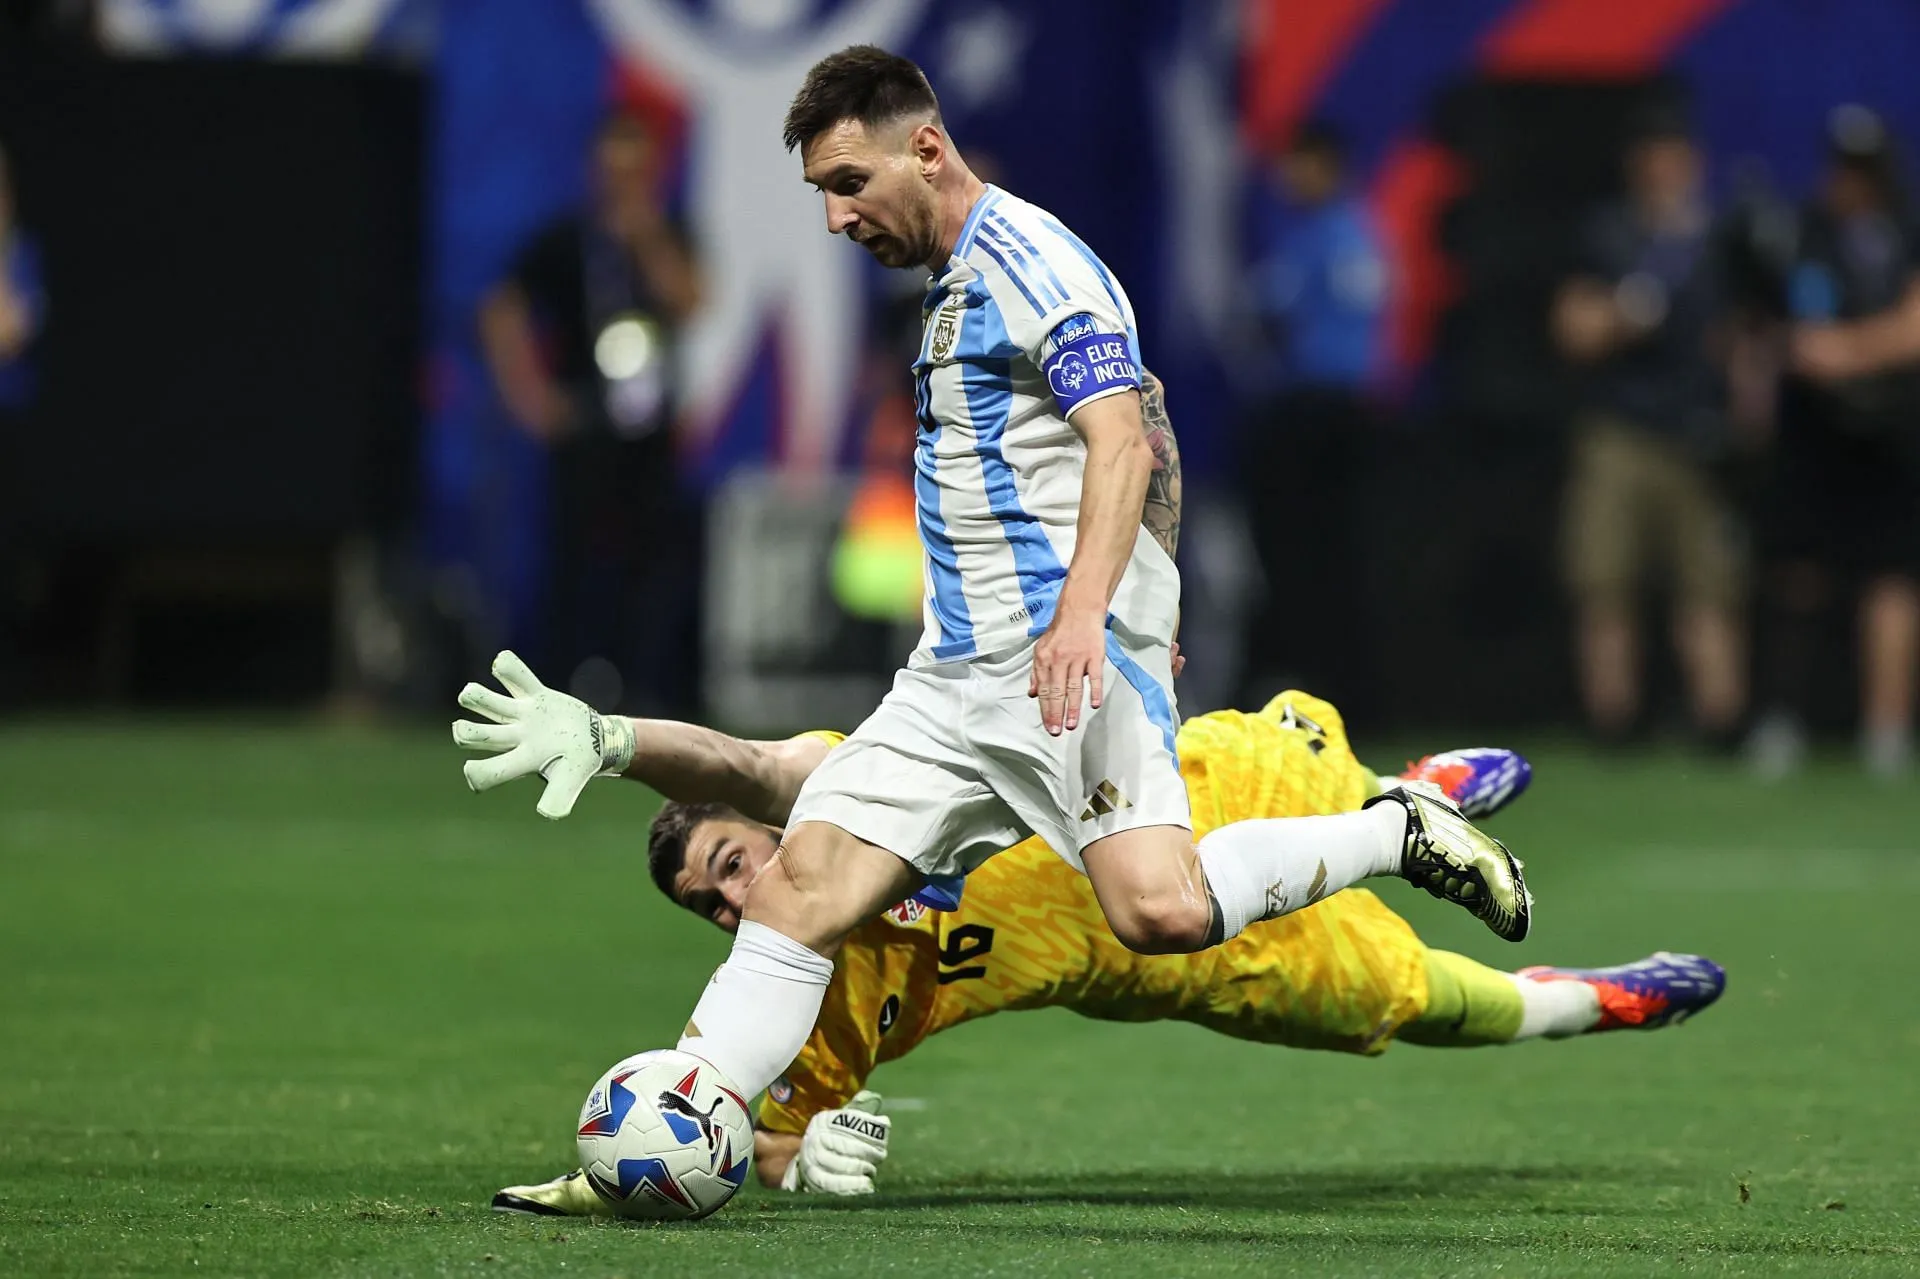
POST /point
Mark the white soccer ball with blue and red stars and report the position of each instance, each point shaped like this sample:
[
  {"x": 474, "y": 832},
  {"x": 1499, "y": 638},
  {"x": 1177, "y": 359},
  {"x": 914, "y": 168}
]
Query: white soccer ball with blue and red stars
[{"x": 665, "y": 1137}]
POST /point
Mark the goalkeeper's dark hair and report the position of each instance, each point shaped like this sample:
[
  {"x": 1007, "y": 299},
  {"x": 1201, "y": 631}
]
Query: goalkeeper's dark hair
[
  {"x": 864, "y": 83},
  {"x": 667, "y": 839}
]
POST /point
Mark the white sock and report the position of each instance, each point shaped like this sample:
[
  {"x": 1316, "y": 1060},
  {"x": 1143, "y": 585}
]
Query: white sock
[
  {"x": 1271, "y": 866},
  {"x": 756, "y": 1013},
  {"x": 1555, "y": 1009}
]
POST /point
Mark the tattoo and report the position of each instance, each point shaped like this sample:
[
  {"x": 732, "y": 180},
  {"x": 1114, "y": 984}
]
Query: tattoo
[{"x": 1162, "y": 515}]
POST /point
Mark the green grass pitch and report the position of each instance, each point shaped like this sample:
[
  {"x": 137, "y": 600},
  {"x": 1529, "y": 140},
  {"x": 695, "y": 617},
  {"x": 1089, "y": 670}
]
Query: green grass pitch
[{"x": 288, "y": 1002}]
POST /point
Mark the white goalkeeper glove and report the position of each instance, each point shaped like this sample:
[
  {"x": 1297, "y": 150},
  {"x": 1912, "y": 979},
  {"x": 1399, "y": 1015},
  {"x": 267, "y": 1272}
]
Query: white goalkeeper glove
[
  {"x": 842, "y": 1149},
  {"x": 538, "y": 730}
]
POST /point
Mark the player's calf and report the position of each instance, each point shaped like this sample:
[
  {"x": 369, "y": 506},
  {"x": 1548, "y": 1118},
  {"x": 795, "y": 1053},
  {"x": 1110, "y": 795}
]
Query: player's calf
[
  {"x": 756, "y": 1012},
  {"x": 1165, "y": 924}
]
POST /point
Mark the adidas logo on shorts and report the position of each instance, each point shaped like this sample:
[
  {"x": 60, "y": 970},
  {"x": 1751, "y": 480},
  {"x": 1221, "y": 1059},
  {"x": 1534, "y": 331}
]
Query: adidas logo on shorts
[{"x": 1106, "y": 798}]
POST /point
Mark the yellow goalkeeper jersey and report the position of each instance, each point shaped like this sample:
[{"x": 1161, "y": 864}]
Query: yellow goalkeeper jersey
[{"x": 1344, "y": 974}]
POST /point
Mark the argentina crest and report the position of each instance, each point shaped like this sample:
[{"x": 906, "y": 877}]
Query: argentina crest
[{"x": 946, "y": 326}]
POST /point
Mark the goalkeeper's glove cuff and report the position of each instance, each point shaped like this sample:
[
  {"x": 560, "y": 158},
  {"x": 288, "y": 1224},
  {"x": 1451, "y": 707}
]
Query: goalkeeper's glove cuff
[{"x": 613, "y": 735}]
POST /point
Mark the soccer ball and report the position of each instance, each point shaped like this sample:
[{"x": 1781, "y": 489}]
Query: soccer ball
[{"x": 665, "y": 1137}]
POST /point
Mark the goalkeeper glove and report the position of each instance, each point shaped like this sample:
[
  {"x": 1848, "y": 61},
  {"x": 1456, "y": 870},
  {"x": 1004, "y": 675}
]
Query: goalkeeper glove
[
  {"x": 538, "y": 730},
  {"x": 842, "y": 1149}
]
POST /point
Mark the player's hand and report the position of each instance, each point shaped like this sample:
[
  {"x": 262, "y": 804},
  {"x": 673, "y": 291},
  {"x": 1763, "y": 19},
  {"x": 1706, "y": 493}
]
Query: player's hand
[
  {"x": 539, "y": 730},
  {"x": 1069, "y": 656},
  {"x": 1179, "y": 661},
  {"x": 842, "y": 1149}
]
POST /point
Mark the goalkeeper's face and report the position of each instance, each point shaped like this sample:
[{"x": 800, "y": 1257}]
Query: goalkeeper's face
[{"x": 723, "y": 856}]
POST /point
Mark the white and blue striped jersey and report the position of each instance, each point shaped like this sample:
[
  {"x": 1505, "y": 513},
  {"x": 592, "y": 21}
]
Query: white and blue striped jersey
[{"x": 1023, "y": 326}]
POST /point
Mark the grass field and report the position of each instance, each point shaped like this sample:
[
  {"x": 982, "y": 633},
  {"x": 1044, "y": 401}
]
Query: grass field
[{"x": 280, "y": 1002}]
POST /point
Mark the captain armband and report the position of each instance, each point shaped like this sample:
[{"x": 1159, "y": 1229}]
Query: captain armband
[{"x": 1086, "y": 363}]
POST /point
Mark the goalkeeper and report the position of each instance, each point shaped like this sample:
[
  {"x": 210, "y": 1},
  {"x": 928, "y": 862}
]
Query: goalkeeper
[{"x": 1345, "y": 974}]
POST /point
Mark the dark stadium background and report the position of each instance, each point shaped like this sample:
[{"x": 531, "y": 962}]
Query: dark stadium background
[
  {"x": 263, "y": 272},
  {"x": 280, "y": 997}
]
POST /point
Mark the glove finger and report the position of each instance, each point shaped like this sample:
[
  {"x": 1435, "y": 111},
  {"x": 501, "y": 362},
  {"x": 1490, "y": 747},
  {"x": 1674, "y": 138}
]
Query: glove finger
[
  {"x": 482, "y": 700},
  {"x": 485, "y": 737},
  {"x": 819, "y": 1183},
  {"x": 515, "y": 674},
  {"x": 866, "y": 1101},
  {"x": 566, "y": 778},
  {"x": 485, "y": 774},
  {"x": 841, "y": 1163}
]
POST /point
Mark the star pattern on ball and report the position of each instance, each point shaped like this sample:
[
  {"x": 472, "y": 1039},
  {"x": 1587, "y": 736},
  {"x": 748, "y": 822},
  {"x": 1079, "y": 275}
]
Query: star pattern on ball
[
  {"x": 650, "y": 1176},
  {"x": 615, "y": 1105}
]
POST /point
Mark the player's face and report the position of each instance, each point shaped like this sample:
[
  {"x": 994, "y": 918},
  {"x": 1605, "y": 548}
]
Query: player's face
[
  {"x": 1663, "y": 171},
  {"x": 1849, "y": 192},
  {"x": 876, "y": 190},
  {"x": 723, "y": 856},
  {"x": 625, "y": 164}
]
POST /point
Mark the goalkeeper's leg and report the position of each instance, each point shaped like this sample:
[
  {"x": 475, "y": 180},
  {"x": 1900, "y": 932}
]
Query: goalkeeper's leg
[{"x": 1470, "y": 1004}]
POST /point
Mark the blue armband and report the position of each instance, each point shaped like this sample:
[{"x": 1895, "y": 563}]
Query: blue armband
[{"x": 1085, "y": 363}]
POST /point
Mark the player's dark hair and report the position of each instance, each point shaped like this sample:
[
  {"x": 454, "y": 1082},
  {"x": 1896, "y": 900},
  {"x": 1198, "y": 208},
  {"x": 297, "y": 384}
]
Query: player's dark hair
[
  {"x": 864, "y": 83},
  {"x": 667, "y": 839}
]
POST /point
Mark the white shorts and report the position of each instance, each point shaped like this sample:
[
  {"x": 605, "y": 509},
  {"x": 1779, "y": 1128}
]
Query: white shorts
[{"x": 955, "y": 766}]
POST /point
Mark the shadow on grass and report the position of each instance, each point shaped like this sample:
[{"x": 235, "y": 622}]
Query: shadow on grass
[
  {"x": 1301, "y": 1192},
  {"x": 1605, "y": 1209}
]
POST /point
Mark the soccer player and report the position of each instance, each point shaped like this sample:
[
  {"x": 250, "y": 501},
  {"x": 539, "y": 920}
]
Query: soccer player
[
  {"x": 1043, "y": 583},
  {"x": 1346, "y": 974}
]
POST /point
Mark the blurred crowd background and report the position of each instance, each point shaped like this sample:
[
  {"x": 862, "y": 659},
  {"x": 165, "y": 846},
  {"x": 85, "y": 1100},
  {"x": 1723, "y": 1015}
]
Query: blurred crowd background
[{"x": 1534, "y": 362}]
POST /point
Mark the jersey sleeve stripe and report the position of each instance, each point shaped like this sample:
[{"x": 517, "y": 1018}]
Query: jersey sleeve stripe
[
  {"x": 944, "y": 593},
  {"x": 1000, "y": 222},
  {"x": 989, "y": 393},
  {"x": 986, "y": 244},
  {"x": 1159, "y": 705},
  {"x": 991, "y": 230},
  {"x": 1105, "y": 276},
  {"x": 972, "y": 224}
]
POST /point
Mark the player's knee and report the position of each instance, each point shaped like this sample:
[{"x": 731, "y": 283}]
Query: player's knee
[
  {"x": 791, "y": 905},
  {"x": 821, "y": 884},
  {"x": 1161, "y": 924}
]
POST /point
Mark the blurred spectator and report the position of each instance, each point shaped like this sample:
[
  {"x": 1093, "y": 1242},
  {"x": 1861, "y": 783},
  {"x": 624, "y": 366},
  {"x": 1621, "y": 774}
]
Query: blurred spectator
[
  {"x": 22, "y": 302},
  {"x": 580, "y": 338},
  {"x": 22, "y": 311},
  {"x": 1846, "y": 509},
  {"x": 1321, "y": 282},
  {"x": 1646, "y": 318}
]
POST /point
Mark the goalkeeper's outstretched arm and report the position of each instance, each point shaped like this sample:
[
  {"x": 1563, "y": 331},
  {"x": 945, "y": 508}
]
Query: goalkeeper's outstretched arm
[
  {"x": 695, "y": 765},
  {"x": 536, "y": 729}
]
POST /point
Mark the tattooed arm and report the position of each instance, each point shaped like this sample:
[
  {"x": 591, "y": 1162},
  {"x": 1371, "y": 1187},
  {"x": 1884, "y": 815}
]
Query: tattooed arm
[{"x": 1162, "y": 514}]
